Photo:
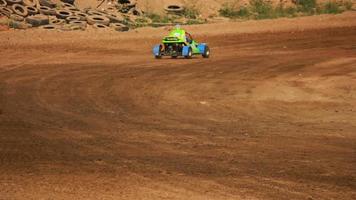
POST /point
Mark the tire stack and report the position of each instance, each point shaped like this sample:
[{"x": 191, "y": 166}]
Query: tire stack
[{"x": 66, "y": 16}]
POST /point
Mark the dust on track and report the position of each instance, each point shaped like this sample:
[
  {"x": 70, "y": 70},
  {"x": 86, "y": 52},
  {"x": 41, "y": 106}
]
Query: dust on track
[{"x": 270, "y": 116}]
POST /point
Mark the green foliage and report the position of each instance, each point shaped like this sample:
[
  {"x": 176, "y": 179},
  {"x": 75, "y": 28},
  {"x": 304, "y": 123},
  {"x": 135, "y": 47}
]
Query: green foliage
[
  {"x": 290, "y": 11},
  {"x": 195, "y": 21},
  {"x": 160, "y": 18},
  {"x": 348, "y": 4},
  {"x": 262, "y": 9},
  {"x": 191, "y": 12},
  {"x": 306, "y": 6},
  {"x": 231, "y": 11},
  {"x": 331, "y": 8}
]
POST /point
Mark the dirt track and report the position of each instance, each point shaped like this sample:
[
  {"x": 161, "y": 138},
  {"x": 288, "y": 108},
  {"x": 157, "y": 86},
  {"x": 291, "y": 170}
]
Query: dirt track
[{"x": 272, "y": 115}]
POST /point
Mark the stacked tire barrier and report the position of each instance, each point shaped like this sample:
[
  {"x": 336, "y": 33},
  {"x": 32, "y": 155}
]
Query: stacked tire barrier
[{"x": 66, "y": 16}]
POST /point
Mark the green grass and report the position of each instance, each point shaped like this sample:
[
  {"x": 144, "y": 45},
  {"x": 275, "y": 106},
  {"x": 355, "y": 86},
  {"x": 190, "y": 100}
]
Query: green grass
[
  {"x": 306, "y": 6},
  {"x": 191, "y": 12},
  {"x": 262, "y": 9},
  {"x": 331, "y": 8},
  {"x": 230, "y": 11},
  {"x": 348, "y": 4}
]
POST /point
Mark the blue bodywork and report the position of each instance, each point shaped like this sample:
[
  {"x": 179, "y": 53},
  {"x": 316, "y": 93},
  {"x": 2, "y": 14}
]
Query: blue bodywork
[
  {"x": 185, "y": 50},
  {"x": 156, "y": 50}
]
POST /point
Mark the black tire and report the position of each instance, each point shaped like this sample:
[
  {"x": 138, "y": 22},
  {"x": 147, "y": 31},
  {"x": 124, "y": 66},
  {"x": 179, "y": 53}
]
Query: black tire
[
  {"x": 32, "y": 10},
  {"x": 6, "y": 11},
  {"x": 110, "y": 9},
  {"x": 115, "y": 18},
  {"x": 174, "y": 9},
  {"x": 20, "y": 10},
  {"x": 49, "y": 27},
  {"x": 73, "y": 9},
  {"x": 81, "y": 24},
  {"x": 135, "y": 11},
  {"x": 100, "y": 26},
  {"x": 32, "y": 3},
  {"x": 45, "y": 10},
  {"x": 37, "y": 20},
  {"x": 68, "y": 1},
  {"x": 47, "y": 3},
  {"x": 97, "y": 19},
  {"x": 63, "y": 14},
  {"x": 12, "y": 2},
  {"x": 83, "y": 16},
  {"x": 73, "y": 18},
  {"x": 3, "y": 3},
  {"x": 56, "y": 21},
  {"x": 119, "y": 27},
  {"x": 206, "y": 53},
  {"x": 190, "y": 54},
  {"x": 67, "y": 5},
  {"x": 95, "y": 12},
  {"x": 174, "y": 57}
]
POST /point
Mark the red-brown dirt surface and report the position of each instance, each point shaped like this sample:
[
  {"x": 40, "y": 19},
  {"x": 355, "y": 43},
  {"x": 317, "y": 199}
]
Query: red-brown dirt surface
[{"x": 91, "y": 115}]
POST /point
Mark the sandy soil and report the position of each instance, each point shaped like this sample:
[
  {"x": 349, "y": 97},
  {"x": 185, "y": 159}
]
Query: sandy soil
[{"x": 91, "y": 115}]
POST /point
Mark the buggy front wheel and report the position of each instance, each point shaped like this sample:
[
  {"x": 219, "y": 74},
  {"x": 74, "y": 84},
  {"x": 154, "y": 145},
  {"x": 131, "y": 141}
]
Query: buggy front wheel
[{"x": 206, "y": 52}]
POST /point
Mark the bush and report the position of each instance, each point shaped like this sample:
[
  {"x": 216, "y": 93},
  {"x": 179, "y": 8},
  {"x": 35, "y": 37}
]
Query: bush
[
  {"x": 232, "y": 11},
  {"x": 331, "y": 8},
  {"x": 306, "y": 6},
  {"x": 195, "y": 21},
  {"x": 262, "y": 9},
  {"x": 348, "y": 5},
  {"x": 158, "y": 18},
  {"x": 191, "y": 12}
]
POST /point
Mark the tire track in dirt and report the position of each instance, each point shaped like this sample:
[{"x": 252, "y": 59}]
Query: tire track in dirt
[{"x": 215, "y": 124}]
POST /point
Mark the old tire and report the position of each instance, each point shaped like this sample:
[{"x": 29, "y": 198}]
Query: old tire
[
  {"x": 100, "y": 26},
  {"x": 3, "y": 3},
  {"x": 6, "y": 11},
  {"x": 115, "y": 18},
  {"x": 47, "y": 3},
  {"x": 32, "y": 10},
  {"x": 12, "y": 2},
  {"x": 37, "y": 20},
  {"x": 63, "y": 14},
  {"x": 81, "y": 24},
  {"x": 119, "y": 27},
  {"x": 56, "y": 21},
  {"x": 32, "y": 3},
  {"x": 19, "y": 10},
  {"x": 72, "y": 18},
  {"x": 96, "y": 12},
  {"x": 45, "y": 10},
  {"x": 83, "y": 16},
  {"x": 174, "y": 9},
  {"x": 68, "y": 1},
  {"x": 49, "y": 27},
  {"x": 97, "y": 19}
]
